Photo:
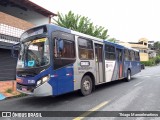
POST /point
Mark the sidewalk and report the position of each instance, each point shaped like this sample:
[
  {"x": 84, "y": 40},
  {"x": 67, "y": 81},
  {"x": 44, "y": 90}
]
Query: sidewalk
[{"x": 8, "y": 89}]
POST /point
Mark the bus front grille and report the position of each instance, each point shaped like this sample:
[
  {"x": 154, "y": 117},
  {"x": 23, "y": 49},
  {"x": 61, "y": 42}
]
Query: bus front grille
[{"x": 25, "y": 88}]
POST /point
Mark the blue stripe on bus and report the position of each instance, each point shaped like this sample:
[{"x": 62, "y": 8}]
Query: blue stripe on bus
[{"x": 62, "y": 80}]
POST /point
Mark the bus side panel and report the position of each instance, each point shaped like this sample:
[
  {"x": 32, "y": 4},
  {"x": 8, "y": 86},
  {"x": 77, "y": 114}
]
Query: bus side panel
[
  {"x": 111, "y": 70},
  {"x": 81, "y": 67},
  {"x": 138, "y": 67},
  {"x": 116, "y": 71},
  {"x": 135, "y": 67},
  {"x": 64, "y": 79},
  {"x": 77, "y": 75},
  {"x": 54, "y": 85},
  {"x": 79, "y": 71}
]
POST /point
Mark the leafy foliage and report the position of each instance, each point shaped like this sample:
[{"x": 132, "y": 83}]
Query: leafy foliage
[
  {"x": 157, "y": 47},
  {"x": 9, "y": 90},
  {"x": 81, "y": 24},
  {"x": 152, "y": 61}
]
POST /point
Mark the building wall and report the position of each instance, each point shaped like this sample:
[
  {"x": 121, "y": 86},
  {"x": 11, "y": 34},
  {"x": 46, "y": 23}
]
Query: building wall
[
  {"x": 140, "y": 46},
  {"x": 144, "y": 57},
  {"x": 143, "y": 48},
  {"x": 144, "y": 40},
  {"x": 14, "y": 22},
  {"x": 26, "y": 14},
  {"x": 10, "y": 30}
]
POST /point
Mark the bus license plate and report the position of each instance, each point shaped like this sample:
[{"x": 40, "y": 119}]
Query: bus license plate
[{"x": 24, "y": 89}]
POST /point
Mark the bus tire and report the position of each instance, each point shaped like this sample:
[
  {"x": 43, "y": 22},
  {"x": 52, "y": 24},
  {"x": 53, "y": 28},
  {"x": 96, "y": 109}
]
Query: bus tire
[
  {"x": 86, "y": 85},
  {"x": 128, "y": 78}
]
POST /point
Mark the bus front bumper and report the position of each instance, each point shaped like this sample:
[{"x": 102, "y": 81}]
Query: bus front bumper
[{"x": 42, "y": 90}]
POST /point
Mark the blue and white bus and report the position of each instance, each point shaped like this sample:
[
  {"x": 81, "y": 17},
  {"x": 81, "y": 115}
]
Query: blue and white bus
[{"x": 54, "y": 60}]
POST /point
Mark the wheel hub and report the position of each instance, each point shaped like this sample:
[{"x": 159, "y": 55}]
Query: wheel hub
[
  {"x": 86, "y": 85},
  {"x": 129, "y": 76}
]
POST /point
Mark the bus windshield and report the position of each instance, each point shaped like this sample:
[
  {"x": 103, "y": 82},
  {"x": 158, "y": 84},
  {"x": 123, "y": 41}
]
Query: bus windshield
[{"x": 34, "y": 53}]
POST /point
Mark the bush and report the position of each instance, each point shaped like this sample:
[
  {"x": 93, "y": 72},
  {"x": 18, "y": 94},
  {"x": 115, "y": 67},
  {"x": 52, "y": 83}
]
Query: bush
[
  {"x": 21, "y": 95},
  {"x": 151, "y": 62},
  {"x": 9, "y": 90},
  {"x": 157, "y": 59}
]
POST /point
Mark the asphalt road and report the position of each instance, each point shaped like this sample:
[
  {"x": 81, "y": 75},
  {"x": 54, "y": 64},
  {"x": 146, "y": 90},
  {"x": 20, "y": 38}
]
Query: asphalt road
[{"x": 140, "y": 94}]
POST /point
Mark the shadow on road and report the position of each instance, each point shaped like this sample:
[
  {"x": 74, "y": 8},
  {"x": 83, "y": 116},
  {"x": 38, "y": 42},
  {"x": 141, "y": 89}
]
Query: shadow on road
[
  {"x": 45, "y": 101},
  {"x": 38, "y": 102},
  {"x": 113, "y": 83}
]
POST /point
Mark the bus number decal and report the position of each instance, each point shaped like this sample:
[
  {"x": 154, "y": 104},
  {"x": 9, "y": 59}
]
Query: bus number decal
[{"x": 85, "y": 63}]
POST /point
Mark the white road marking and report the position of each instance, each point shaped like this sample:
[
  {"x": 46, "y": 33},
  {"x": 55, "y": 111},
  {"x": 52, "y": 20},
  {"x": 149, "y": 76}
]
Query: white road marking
[
  {"x": 157, "y": 75},
  {"x": 138, "y": 83},
  {"x": 147, "y": 76}
]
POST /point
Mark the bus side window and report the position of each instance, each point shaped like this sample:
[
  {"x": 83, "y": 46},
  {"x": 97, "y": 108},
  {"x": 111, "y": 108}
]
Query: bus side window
[
  {"x": 55, "y": 47},
  {"x": 68, "y": 50},
  {"x": 137, "y": 56},
  {"x": 110, "y": 52},
  {"x": 133, "y": 56},
  {"x": 126, "y": 55},
  {"x": 85, "y": 49},
  {"x": 64, "y": 49},
  {"x": 119, "y": 54},
  {"x": 130, "y": 54}
]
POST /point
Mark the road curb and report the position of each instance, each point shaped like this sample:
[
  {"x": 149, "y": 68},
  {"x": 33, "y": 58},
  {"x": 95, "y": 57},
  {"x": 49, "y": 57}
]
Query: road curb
[{"x": 16, "y": 96}]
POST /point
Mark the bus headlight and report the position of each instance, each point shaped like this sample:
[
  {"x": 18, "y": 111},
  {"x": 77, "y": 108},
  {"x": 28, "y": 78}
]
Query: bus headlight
[{"x": 43, "y": 80}]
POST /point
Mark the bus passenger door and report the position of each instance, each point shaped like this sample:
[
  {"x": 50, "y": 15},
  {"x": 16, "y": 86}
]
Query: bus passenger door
[
  {"x": 120, "y": 62},
  {"x": 99, "y": 62}
]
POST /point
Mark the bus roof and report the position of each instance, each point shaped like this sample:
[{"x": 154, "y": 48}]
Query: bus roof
[
  {"x": 53, "y": 27},
  {"x": 115, "y": 44},
  {"x": 120, "y": 46},
  {"x": 56, "y": 27}
]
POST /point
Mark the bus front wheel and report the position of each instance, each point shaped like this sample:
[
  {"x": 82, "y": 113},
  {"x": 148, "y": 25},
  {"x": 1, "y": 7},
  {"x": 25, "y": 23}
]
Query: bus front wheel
[
  {"x": 128, "y": 78},
  {"x": 86, "y": 85}
]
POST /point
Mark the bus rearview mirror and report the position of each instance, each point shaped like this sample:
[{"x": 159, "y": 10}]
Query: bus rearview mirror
[
  {"x": 15, "y": 50},
  {"x": 60, "y": 45}
]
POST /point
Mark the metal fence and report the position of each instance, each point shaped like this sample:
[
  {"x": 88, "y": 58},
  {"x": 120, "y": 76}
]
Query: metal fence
[
  {"x": 10, "y": 30},
  {"x": 10, "y": 34}
]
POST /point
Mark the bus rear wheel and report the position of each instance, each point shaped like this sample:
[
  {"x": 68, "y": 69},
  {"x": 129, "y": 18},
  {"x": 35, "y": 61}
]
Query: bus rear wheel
[
  {"x": 128, "y": 78},
  {"x": 86, "y": 85}
]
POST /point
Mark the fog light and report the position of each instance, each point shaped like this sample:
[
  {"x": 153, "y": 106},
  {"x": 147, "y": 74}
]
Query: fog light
[{"x": 39, "y": 82}]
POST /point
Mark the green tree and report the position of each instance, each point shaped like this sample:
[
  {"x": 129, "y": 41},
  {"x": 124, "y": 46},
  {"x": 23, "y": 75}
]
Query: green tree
[
  {"x": 157, "y": 47},
  {"x": 81, "y": 24}
]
